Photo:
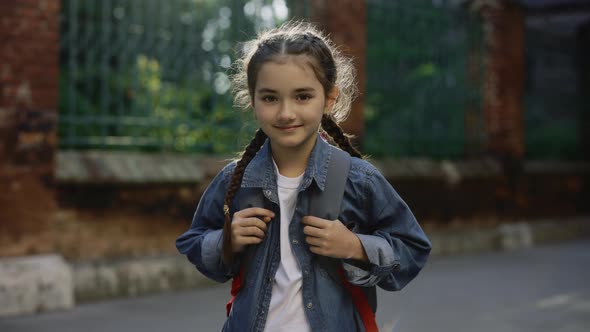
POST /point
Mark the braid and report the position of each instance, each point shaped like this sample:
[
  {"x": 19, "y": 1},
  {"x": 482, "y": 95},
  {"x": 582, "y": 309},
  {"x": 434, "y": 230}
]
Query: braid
[
  {"x": 333, "y": 129},
  {"x": 234, "y": 185}
]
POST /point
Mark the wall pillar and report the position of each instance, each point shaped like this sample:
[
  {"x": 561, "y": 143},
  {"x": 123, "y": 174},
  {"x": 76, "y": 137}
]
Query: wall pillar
[
  {"x": 503, "y": 99},
  {"x": 504, "y": 83},
  {"x": 346, "y": 23},
  {"x": 29, "y": 85}
]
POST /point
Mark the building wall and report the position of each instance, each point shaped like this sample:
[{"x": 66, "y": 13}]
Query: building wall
[
  {"x": 503, "y": 91},
  {"x": 29, "y": 30},
  {"x": 346, "y": 25},
  {"x": 83, "y": 212}
]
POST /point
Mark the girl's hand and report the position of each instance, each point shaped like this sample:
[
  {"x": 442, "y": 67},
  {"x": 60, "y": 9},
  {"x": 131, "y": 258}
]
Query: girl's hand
[
  {"x": 332, "y": 239},
  {"x": 248, "y": 226}
]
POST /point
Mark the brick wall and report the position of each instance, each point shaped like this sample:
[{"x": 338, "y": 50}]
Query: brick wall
[
  {"x": 503, "y": 96},
  {"x": 91, "y": 218},
  {"x": 504, "y": 83},
  {"x": 107, "y": 210},
  {"x": 346, "y": 24},
  {"x": 29, "y": 30}
]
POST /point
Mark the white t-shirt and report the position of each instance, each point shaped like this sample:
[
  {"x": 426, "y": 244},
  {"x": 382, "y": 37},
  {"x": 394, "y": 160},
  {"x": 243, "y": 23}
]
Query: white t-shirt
[{"x": 286, "y": 311}]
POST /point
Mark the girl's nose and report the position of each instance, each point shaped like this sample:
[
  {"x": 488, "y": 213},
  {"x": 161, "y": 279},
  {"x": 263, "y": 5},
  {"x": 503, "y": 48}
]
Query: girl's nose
[{"x": 286, "y": 111}]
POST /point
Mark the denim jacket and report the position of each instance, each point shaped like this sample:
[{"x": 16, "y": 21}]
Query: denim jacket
[{"x": 395, "y": 244}]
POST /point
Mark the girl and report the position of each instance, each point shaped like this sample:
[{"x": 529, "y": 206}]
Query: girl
[{"x": 298, "y": 272}]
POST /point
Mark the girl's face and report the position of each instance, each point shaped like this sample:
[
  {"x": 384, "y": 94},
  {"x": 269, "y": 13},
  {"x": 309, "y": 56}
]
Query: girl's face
[{"x": 289, "y": 102}]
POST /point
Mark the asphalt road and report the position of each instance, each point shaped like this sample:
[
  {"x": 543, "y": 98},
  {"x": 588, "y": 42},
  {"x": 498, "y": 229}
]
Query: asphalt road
[{"x": 540, "y": 289}]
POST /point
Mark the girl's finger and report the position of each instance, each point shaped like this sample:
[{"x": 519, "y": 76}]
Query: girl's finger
[
  {"x": 251, "y": 222},
  {"x": 248, "y": 240},
  {"x": 314, "y": 241},
  {"x": 312, "y": 231},
  {"x": 255, "y": 212},
  {"x": 251, "y": 231},
  {"x": 317, "y": 250},
  {"x": 314, "y": 221}
]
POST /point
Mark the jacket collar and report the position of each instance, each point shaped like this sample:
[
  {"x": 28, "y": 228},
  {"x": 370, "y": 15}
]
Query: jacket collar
[{"x": 260, "y": 171}]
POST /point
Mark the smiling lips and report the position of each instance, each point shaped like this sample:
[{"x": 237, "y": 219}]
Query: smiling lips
[{"x": 288, "y": 127}]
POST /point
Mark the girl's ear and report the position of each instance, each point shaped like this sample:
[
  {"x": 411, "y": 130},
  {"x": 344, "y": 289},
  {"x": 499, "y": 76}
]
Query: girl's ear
[{"x": 331, "y": 99}]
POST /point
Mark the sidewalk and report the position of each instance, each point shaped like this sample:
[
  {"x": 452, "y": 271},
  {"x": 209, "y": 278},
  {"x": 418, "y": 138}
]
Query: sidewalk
[
  {"x": 98, "y": 281},
  {"x": 529, "y": 290}
]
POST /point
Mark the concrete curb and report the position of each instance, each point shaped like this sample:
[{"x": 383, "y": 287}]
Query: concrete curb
[
  {"x": 509, "y": 236},
  {"x": 103, "y": 280},
  {"x": 35, "y": 284},
  {"x": 43, "y": 283}
]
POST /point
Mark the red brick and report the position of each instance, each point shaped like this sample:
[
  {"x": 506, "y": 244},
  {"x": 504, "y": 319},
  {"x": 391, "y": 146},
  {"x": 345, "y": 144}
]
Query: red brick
[
  {"x": 53, "y": 7},
  {"x": 504, "y": 86},
  {"x": 29, "y": 30},
  {"x": 347, "y": 26}
]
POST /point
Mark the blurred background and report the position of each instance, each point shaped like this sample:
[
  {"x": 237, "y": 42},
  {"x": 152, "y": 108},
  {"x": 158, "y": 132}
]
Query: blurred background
[{"x": 116, "y": 114}]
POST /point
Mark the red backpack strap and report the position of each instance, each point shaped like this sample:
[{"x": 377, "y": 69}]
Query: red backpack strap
[
  {"x": 236, "y": 285},
  {"x": 361, "y": 303}
]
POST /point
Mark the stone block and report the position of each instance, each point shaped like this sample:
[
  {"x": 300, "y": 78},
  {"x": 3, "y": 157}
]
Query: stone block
[
  {"x": 35, "y": 284},
  {"x": 134, "y": 277},
  {"x": 515, "y": 236}
]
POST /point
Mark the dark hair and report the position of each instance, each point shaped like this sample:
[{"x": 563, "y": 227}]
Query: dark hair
[{"x": 331, "y": 68}]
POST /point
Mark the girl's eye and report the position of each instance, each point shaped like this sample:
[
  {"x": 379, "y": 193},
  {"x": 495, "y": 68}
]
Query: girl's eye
[
  {"x": 304, "y": 96},
  {"x": 268, "y": 99}
]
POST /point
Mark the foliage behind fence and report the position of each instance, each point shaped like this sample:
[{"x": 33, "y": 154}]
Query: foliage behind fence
[
  {"x": 554, "y": 102},
  {"x": 423, "y": 80},
  {"x": 153, "y": 75}
]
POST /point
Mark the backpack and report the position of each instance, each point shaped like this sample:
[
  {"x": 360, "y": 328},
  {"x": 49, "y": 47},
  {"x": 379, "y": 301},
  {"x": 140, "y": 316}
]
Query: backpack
[{"x": 325, "y": 204}]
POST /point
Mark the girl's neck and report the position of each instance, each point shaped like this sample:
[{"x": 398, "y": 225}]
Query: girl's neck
[{"x": 291, "y": 162}]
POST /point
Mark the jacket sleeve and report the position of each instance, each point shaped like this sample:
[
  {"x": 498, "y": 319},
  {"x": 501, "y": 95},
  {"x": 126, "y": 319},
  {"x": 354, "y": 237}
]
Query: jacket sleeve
[
  {"x": 395, "y": 243},
  {"x": 202, "y": 243}
]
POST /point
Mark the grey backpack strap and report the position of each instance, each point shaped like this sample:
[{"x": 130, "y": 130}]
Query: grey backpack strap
[
  {"x": 326, "y": 204},
  {"x": 250, "y": 197}
]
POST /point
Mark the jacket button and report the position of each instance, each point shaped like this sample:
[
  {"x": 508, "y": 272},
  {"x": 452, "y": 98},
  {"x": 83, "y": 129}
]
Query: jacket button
[
  {"x": 295, "y": 242},
  {"x": 309, "y": 305}
]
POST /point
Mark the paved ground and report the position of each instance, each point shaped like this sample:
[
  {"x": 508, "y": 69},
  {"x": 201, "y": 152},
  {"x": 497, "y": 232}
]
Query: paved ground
[{"x": 541, "y": 289}]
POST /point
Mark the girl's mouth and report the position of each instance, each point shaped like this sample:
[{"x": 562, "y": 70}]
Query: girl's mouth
[{"x": 287, "y": 128}]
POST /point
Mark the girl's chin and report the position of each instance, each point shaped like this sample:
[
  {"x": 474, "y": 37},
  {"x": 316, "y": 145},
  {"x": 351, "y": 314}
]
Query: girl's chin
[{"x": 282, "y": 141}]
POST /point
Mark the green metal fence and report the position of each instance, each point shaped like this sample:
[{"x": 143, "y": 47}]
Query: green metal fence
[
  {"x": 553, "y": 102},
  {"x": 424, "y": 64},
  {"x": 153, "y": 75}
]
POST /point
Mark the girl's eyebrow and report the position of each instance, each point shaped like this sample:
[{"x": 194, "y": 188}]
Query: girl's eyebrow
[
  {"x": 298, "y": 90},
  {"x": 265, "y": 90},
  {"x": 305, "y": 90}
]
